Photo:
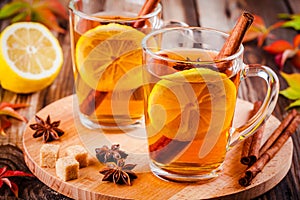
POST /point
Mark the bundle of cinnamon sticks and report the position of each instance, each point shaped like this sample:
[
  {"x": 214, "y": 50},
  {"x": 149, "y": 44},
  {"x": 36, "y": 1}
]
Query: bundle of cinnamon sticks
[
  {"x": 252, "y": 155},
  {"x": 255, "y": 156}
]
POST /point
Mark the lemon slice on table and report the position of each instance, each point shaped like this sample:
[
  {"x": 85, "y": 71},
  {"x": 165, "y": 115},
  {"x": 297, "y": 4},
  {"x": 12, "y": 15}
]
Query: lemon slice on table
[
  {"x": 191, "y": 102},
  {"x": 30, "y": 56},
  {"x": 104, "y": 54}
]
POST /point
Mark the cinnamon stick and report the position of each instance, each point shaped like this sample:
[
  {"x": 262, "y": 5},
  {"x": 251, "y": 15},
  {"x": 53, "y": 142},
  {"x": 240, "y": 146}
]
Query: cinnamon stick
[
  {"x": 252, "y": 171},
  {"x": 234, "y": 41},
  {"x": 147, "y": 8},
  {"x": 255, "y": 145},
  {"x": 251, "y": 146},
  {"x": 286, "y": 121},
  {"x": 165, "y": 149},
  {"x": 92, "y": 101}
]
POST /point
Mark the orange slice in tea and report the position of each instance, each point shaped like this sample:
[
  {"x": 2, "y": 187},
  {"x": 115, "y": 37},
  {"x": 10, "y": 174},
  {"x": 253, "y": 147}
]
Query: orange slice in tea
[
  {"x": 104, "y": 54},
  {"x": 190, "y": 103}
]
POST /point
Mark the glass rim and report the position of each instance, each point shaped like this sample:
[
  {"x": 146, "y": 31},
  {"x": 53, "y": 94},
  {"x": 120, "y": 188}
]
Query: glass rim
[
  {"x": 148, "y": 50},
  {"x": 72, "y": 8}
]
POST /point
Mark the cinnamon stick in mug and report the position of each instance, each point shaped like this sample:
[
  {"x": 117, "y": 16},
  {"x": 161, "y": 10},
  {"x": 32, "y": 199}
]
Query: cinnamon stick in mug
[
  {"x": 252, "y": 171},
  {"x": 92, "y": 101},
  {"x": 235, "y": 39},
  {"x": 251, "y": 146},
  {"x": 148, "y": 7}
]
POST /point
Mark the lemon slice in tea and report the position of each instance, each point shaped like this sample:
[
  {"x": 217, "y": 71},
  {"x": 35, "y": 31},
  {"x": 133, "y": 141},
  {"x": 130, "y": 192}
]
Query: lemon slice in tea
[
  {"x": 190, "y": 103},
  {"x": 104, "y": 54}
]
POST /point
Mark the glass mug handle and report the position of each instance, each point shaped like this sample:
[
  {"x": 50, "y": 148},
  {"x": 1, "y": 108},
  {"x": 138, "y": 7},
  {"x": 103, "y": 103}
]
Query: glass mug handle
[{"x": 267, "y": 107}]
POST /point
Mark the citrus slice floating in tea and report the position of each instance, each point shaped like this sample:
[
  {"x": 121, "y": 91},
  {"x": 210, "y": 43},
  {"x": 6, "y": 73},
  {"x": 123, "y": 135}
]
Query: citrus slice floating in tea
[
  {"x": 191, "y": 104},
  {"x": 31, "y": 57},
  {"x": 104, "y": 54}
]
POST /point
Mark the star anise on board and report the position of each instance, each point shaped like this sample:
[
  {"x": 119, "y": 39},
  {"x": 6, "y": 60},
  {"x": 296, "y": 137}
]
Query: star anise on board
[
  {"x": 119, "y": 173},
  {"x": 113, "y": 154},
  {"x": 45, "y": 128}
]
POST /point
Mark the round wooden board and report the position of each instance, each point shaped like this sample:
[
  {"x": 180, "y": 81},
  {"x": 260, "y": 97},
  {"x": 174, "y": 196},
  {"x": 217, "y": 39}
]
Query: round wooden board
[{"x": 146, "y": 186}]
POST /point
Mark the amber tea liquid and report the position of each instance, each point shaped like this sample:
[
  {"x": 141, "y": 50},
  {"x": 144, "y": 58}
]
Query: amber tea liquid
[
  {"x": 189, "y": 112},
  {"x": 103, "y": 53}
]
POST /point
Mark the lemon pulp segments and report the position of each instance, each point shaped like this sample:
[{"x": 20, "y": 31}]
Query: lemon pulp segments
[
  {"x": 104, "y": 54},
  {"x": 31, "y": 57}
]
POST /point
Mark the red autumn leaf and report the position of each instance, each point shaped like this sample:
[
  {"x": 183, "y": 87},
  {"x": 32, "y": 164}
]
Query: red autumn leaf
[
  {"x": 13, "y": 105},
  {"x": 278, "y": 46},
  {"x": 296, "y": 41},
  {"x": 54, "y": 6},
  {"x": 8, "y": 110},
  {"x": 296, "y": 60},
  {"x": 258, "y": 30},
  {"x": 283, "y": 51},
  {"x": 6, "y": 174},
  {"x": 4, "y": 124},
  {"x": 289, "y": 53}
]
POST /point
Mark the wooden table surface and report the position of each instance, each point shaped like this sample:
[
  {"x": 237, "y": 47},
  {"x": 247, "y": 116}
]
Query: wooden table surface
[{"x": 219, "y": 14}]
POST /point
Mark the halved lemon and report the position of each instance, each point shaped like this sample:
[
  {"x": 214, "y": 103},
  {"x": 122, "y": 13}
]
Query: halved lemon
[
  {"x": 106, "y": 53},
  {"x": 30, "y": 56}
]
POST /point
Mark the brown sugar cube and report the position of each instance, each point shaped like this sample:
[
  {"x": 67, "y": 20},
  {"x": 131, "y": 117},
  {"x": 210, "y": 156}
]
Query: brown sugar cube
[
  {"x": 48, "y": 155},
  {"x": 67, "y": 168},
  {"x": 79, "y": 153}
]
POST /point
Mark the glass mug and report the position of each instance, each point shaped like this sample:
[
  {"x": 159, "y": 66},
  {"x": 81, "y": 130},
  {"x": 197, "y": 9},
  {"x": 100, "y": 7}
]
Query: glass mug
[
  {"x": 106, "y": 43},
  {"x": 190, "y": 101}
]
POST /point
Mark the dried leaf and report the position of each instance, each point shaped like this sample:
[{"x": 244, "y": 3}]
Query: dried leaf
[
  {"x": 47, "y": 12},
  {"x": 296, "y": 40},
  {"x": 278, "y": 46},
  {"x": 258, "y": 30},
  {"x": 293, "y": 91},
  {"x": 294, "y": 22},
  {"x": 56, "y": 7},
  {"x": 283, "y": 50},
  {"x": 13, "y": 187},
  {"x": 10, "y": 9},
  {"x": 294, "y": 104},
  {"x": 6, "y": 174},
  {"x": 293, "y": 80},
  {"x": 4, "y": 124},
  {"x": 289, "y": 53},
  {"x": 13, "y": 105},
  {"x": 23, "y": 16},
  {"x": 296, "y": 60},
  {"x": 46, "y": 17},
  {"x": 9, "y": 110}
]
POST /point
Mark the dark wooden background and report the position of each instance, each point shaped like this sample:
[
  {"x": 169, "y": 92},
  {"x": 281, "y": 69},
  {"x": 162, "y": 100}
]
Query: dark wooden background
[{"x": 219, "y": 14}]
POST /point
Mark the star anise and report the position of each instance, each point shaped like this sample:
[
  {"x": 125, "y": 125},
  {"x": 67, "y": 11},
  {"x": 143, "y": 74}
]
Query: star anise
[
  {"x": 119, "y": 173},
  {"x": 48, "y": 130},
  {"x": 113, "y": 154}
]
